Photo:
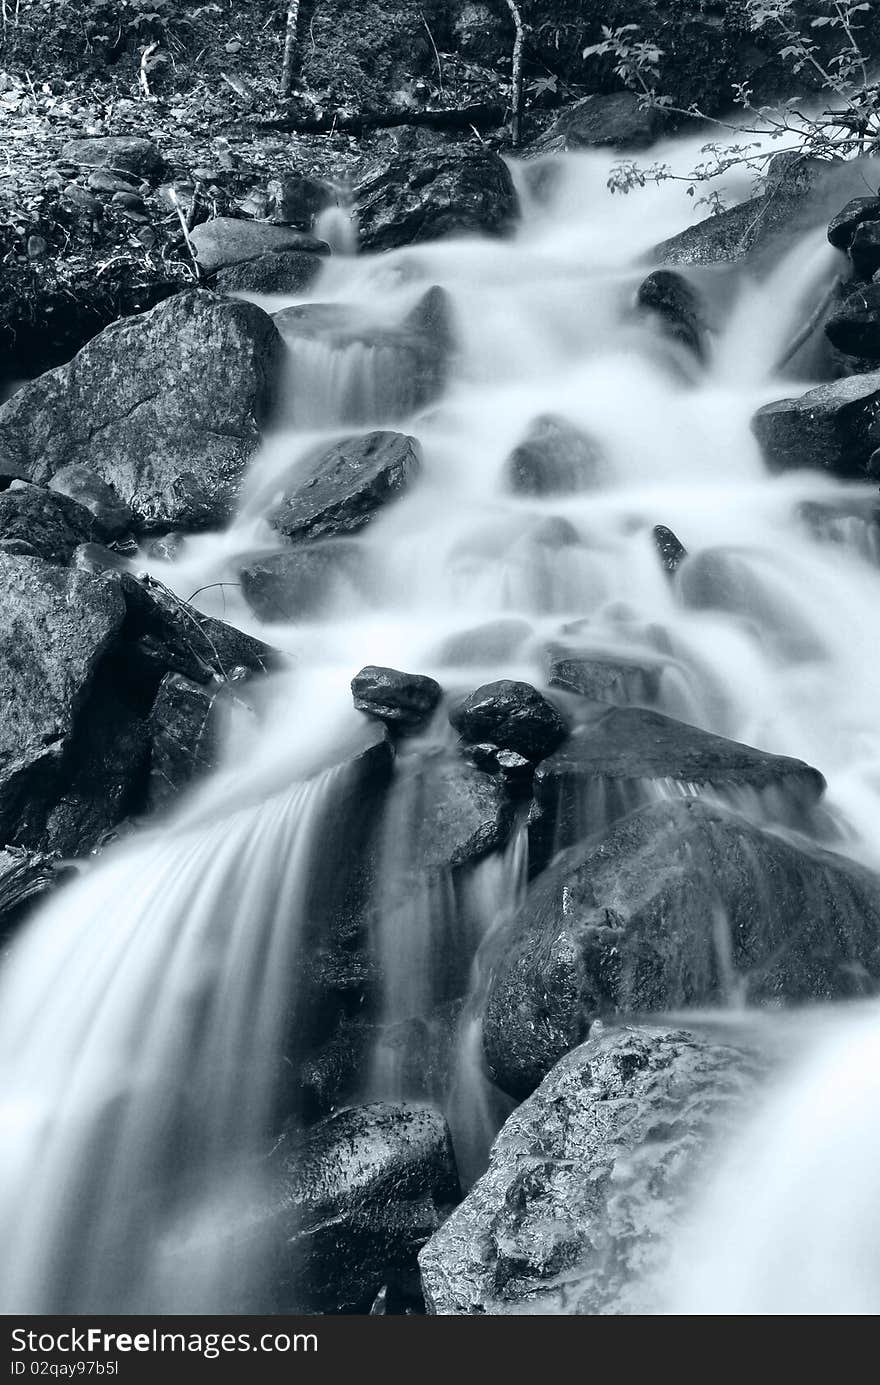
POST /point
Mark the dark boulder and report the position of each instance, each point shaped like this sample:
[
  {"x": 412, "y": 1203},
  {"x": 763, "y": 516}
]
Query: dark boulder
[
  {"x": 421, "y": 196},
  {"x": 450, "y": 815},
  {"x": 603, "y": 677},
  {"x": 344, "y": 486},
  {"x": 554, "y": 458},
  {"x": 282, "y": 271},
  {"x": 618, "y": 758},
  {"x": 864, "y": 249},
  {"x": 302, "y": 581},
  {"x": 184, "y": 727},
  {"x": 834, "y": 427},
  {"x": 112, "y": 516},
  {"x": 55, "y": 627},
  {"x": 404, "y": 701},
  {"x": 25, "y": 878},
  {"x": 676, "y": 306},
  {"x": 353, "y": 1200},
  {"x": 511, "y": 715},
  {"x": 617, "y": 120},
  {"x": 297, "y": 199},
  {"x": 670, "y": 549},
  {"x": 38, "y": 524},
  {"x": 680, "y": 904},
  {"x": 589, "y": 1179},
  {"x": 844, "y": 224},
  {"x": 166, "y": 407},
  {"x": 225, "y": 241},
  {"x": 854, "y": 327},
  {"x": 121, "y": 154}
]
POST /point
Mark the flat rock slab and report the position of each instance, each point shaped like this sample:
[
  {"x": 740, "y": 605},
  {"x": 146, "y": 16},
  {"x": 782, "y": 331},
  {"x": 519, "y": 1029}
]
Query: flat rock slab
[
  {"x": 55, "y": 626},
  {"x": 834, "y": 427},
  {"x": 227, "y": 241},
  {"x": 121, "y": 154},
  {"x": 167, "y": 407},
  {"x": 679, "y": 905},
  {"x": 343, "y": 487},
  {"x": 588, "y": 1179}
]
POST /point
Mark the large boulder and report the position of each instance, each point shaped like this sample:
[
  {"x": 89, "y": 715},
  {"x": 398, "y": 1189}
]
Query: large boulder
[
  {"x": 111, "y": 515},
  {"x": 589, "y": 1179},
  {"x": 167, "y": 407},
  {"x": 424, "y": 195},
  {"x": 618, "y": 759},
  {"x": 680, "y": 904},
  {"x": 511, "y": 715},
  {"x": 225, "y": 241},
  {"x": 56, "y": 626},
  {"x": 743, "y": 583},
  {"x": 342, "y": 487},
  {"x": 353, "y": 1200},
  {"x": 617, "y": 120},
  {"x": 403, "y": 701},
  {"x": 554, "y": 458},
  {"x": 835, "y": 427},
  {"x": 302, "y": 581},
  {"x": 120, "y": 154},
  {"x": 36, "y": 523}
]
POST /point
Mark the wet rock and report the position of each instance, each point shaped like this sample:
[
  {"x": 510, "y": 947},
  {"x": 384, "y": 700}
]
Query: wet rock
[
  {"x": 184, "y": 728},
  {"x": 555, "y": 458},
  {"x": 425, "y": 195},
  {"x": 55, "y": 627},
  {"x": 35, "y": 523},
  {"x": 615, "y": 761},
  {"x": 119, "y": 154},
  {"x": 864, "y": 249},
  {"x": 302, "y": 581},
  {"x": 25, "y": 878},
  {"x": 485, "y": 644},
  {"x": 344, "y": 486},
  {"x": 354, "y": 1200},
  {"x": 603, "y": 677},
  {"x": 458, "y": 815},
  {"x": 283, "y": 271},
  {"x": 297, "y": 200},
  {"x": 226, "y": 241},
  {"x": 511, "y": 715},
  {"x": 670, "y": 549},
  {"x": 589, "y": 1179},
  {"x": 407, "y": 365},
  {"x": 677, "y": 308},
  {"x": 404, "y": 701},
  {"x": 166, "y": 407},
  {"x": 843, "y": 225},
  {"x": 168, "y": 547},
  {"x": 835, "y": 427},
  {"x": 173, "y": 636},
  {"x": 679, "y": 905},
  {"x": 616, "y": 121},
  {"x": 854, "y": 327},
  {"x": 112, "y": 516},
  {"x": 739, "y": 581}
]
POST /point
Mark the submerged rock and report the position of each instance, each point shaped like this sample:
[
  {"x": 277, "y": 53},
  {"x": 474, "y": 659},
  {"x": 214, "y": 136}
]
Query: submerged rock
[
  {"x": 511, "y": 715},
  {"x": 740, "y": 581},
  {"x": 354, "y": 1200},
  {"x": 302, "y": 581},
  {"x": 457, "y": 814},
  {"x": 555, "y": 458},
  {"x": 676, "y": 306},
  {"x": 404, "y": 701},
  {"x": 603, "y": 677},
  {"x": 617, "y": 760},
  {"x": 835, "y": 427},
  {"x": 225, "y": 241},
  {"x": 680, "y": 904},
  {"x": 485, "y": 644},
  {"x": 344, "y": 486},
  {"x": 420, "y": 197},
  {"x": 36, "y": 523},
  {"x": 589, "y": 1178},
  {"x": 166, "y": 407}
]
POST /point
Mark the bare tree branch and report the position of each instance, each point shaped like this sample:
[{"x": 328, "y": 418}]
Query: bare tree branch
[
  {"x": 516, "y": 73},
  {"x": 288, "y": 66}
]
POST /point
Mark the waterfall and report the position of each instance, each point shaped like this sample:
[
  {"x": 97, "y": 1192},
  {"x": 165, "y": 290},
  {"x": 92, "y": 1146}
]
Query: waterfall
[{"x": 144, "y": 1009}]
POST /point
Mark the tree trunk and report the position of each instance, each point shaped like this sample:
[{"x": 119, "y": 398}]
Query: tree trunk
[
  {"x": 288, "y": 66},
  {"x": 516, "y": 74}
]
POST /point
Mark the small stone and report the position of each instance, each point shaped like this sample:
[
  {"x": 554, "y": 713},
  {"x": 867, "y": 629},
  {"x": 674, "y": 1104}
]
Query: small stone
[
  {"x": 404, "y": 701},
  {"x": 36, "y": 247}
]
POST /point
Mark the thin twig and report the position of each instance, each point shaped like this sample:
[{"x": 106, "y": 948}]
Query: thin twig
[{"x": 436, "y": 54}]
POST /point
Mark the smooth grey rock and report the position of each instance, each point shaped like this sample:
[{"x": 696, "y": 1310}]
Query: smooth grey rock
[
  {"x": 167, "y": 407},
  {"x": 281, "y": 271},
  {"x": 603, "y": 677},
  {"x": 554, "y": 458},
  {"x": 226, "y": 241}
]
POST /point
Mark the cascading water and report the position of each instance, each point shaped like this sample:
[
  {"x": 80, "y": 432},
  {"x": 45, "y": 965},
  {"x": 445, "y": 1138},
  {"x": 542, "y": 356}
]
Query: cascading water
[{"x": 141, "y": 1012}]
